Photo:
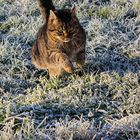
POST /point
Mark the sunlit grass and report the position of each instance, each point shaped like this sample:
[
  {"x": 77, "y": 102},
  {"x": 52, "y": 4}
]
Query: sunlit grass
[{"x": 100, "y": 101}]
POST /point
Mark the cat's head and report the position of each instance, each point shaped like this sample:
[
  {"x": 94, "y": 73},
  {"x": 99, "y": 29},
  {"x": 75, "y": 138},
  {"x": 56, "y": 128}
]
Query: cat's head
[{"x": 63, "y": 24}]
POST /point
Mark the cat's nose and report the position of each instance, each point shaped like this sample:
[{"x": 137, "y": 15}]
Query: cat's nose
[
  {"x": 67, "y": 39},
  {"x": 65, "y": 34}
]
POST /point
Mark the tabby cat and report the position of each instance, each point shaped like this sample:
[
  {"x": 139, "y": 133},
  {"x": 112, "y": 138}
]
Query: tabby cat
[{"x": 60, "y": 41}]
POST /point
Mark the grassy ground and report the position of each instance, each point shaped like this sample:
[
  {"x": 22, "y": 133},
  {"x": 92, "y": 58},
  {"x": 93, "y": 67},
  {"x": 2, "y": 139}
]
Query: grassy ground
[{"x": 99, "y": 102}]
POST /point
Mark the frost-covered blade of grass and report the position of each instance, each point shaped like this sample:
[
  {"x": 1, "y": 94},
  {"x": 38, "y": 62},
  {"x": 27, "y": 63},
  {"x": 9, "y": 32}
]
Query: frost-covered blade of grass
[{"x": 100, "y": 101}]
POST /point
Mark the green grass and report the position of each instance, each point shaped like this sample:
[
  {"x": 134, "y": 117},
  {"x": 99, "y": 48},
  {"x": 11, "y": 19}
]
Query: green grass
[{"x": 100, "y": 101}]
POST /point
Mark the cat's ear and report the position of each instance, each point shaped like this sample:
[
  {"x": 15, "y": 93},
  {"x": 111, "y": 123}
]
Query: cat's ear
[
  {"x": 73, "y": 9},
  {"x": 52, "y": 15}
]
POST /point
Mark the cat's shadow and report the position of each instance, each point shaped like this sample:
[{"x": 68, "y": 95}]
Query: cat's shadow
[{"x": 117, "y": 63}]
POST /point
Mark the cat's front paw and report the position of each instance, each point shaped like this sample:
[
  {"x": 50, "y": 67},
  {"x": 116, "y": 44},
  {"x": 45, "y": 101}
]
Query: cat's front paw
[
  {"x": 68, "y": 66},
  {"x": 69, "y": 69}
]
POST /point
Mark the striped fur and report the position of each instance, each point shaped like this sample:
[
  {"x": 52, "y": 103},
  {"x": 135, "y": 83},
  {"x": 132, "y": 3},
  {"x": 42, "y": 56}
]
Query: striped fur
[{"x": 60, "y": 41}]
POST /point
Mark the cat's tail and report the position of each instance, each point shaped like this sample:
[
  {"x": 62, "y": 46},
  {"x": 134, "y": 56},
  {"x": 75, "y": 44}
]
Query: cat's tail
[{"x": 45, "y": 6}]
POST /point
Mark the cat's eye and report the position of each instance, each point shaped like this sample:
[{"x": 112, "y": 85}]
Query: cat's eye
[
  {"x": 51, "y": 30},
  {"x": 60, "y": 31},
  {"x": 71, "y": 31}
]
